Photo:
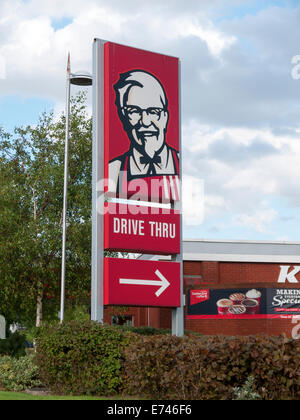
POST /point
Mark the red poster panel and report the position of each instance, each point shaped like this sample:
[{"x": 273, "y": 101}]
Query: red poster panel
[
  {"x": 141, "y": 283},
  {"x": 128, "y": 230},
  {"x": 141, "y": 136}
]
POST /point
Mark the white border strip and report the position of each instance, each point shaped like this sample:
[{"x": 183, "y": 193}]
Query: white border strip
[{"x": 292, "y": 259}]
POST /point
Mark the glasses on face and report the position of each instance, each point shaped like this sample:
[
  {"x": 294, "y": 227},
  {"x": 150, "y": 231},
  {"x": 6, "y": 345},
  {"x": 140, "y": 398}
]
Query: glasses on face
[{"x": 136, "y": 113}]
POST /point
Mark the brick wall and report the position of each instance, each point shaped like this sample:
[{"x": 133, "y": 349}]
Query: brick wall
[
  {"x": 152, "y": 317},
  {"x": 230, "y": 275},
  {"x": 220, "y": 275}
]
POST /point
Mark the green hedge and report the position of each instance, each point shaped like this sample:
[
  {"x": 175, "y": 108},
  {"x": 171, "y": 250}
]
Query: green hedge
[
  {"x": 81, "y": 358},
  {"x": 87, "y": 358},
  {"x": 144, "y": 330},
  {"x": 18, "y": 374},
  {"x": 14, "y": 345},
  {"x": 209, "y": 368}
]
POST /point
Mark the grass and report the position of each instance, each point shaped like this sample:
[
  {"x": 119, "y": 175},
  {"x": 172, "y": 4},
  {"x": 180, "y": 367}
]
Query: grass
[{"x": 5, "y": 396}]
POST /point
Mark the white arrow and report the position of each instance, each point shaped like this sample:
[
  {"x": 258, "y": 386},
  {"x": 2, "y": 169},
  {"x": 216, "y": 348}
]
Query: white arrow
[{"x": 163, "y": 282}]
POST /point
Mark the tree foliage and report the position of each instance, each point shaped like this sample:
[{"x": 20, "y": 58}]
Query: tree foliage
[{"x": 31, "y": 190}]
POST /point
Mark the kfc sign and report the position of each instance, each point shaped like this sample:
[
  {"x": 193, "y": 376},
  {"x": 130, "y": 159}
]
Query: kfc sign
[
  {"x": 141, "y": 138},
  {"x": 141, "y": 230},
  {"x": 141, "y": 283},
  {"x": 136, "y": 158},
  {"x": 289, "y": 276}
]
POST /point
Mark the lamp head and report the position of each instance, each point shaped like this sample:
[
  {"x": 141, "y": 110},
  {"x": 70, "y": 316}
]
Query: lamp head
[{"x": 81, "y": 78}]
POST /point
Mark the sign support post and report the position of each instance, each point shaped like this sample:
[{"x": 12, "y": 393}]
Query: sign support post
[
  {"x": 178, "y": 313},
  {"x": 97, "y": 308}
]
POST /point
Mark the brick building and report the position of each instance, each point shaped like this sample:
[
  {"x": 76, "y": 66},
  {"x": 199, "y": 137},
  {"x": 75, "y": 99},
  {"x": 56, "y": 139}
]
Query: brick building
[{"x": 210, "y": 264}]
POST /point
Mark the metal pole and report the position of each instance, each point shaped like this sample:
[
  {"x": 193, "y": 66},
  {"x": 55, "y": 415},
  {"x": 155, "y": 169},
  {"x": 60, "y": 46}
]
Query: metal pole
[
  {"x": 178, "y": 313},
  {"x": 64, "y": 224},
  {"x": 97, "y": 306}
]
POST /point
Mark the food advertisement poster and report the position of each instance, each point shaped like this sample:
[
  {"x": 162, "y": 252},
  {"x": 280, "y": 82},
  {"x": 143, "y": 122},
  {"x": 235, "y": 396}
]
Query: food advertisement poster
[{"x": 243, "y": 303}]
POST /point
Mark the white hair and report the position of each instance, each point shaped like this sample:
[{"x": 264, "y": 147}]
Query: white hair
[{"x": 139, "y": 78}]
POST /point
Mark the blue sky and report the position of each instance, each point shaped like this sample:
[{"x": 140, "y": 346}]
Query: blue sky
[
  {"x": 240, "y": 104},
  {"x": 253, "y": 8},
  {"x": 60, "y": 23},
  {"x": 18, "y": 111}
]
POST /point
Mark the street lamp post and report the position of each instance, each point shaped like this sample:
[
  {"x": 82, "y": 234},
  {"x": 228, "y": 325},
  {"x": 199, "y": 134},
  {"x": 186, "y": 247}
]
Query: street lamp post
[{"x": 78, "y": 79}]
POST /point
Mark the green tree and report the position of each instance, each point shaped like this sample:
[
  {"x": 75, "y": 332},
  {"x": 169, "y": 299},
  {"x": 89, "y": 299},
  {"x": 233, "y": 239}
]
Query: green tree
[{"x": 31, "y": 188}]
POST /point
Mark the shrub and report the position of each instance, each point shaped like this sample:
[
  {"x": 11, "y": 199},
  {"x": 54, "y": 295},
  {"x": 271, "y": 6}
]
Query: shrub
[
  {"x": 14, "y": 345},
  {"x": 18, "y": 374},
  {"x": 210, "y": 368},
  {"x": 245, "y": 392},
  {"x": 81, "y": 357},
  {"x": 144, "y": 330}
]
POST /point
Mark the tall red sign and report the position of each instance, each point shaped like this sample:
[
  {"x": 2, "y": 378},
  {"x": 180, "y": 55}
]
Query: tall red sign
[
  {"x": 137, "y": 96},
  {"x": 141, "y": 136}
]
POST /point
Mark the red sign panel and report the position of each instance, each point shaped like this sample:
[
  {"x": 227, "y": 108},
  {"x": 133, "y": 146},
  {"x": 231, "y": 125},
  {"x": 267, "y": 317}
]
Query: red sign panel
[
  {"x": 198, "y": 296},
  {"x": 141, "y": 283},
  {"x": 141, "y": 137},
  {"x": 126, "y": 229}
]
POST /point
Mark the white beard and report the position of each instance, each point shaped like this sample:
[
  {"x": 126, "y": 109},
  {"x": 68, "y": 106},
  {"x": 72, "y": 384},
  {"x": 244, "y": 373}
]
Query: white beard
[{"x": 152, "y": 144}]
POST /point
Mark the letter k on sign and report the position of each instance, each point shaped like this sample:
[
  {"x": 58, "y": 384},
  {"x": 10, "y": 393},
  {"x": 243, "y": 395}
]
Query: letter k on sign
[{"x": 285, "y": 276}]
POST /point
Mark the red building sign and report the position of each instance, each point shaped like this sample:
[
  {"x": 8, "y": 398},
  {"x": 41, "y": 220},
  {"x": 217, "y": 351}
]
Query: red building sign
[
  {"x": 141, "y": 283},
  {"x": 137, "y": 229}
]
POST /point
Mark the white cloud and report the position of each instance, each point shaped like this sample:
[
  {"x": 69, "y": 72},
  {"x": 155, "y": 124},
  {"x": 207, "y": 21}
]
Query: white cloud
[
  {"x": 260, "y": 220},
  {"x": 35, "y": 53},
  {"x": 215, "y": 40},
  {"x": 193, "y": 200},
  {"x": 240, "y": 171},
  {"x": 2, "y": 68}
]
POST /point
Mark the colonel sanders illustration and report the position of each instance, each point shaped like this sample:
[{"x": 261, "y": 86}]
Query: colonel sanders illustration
[{"x": 143, "y": 110}]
